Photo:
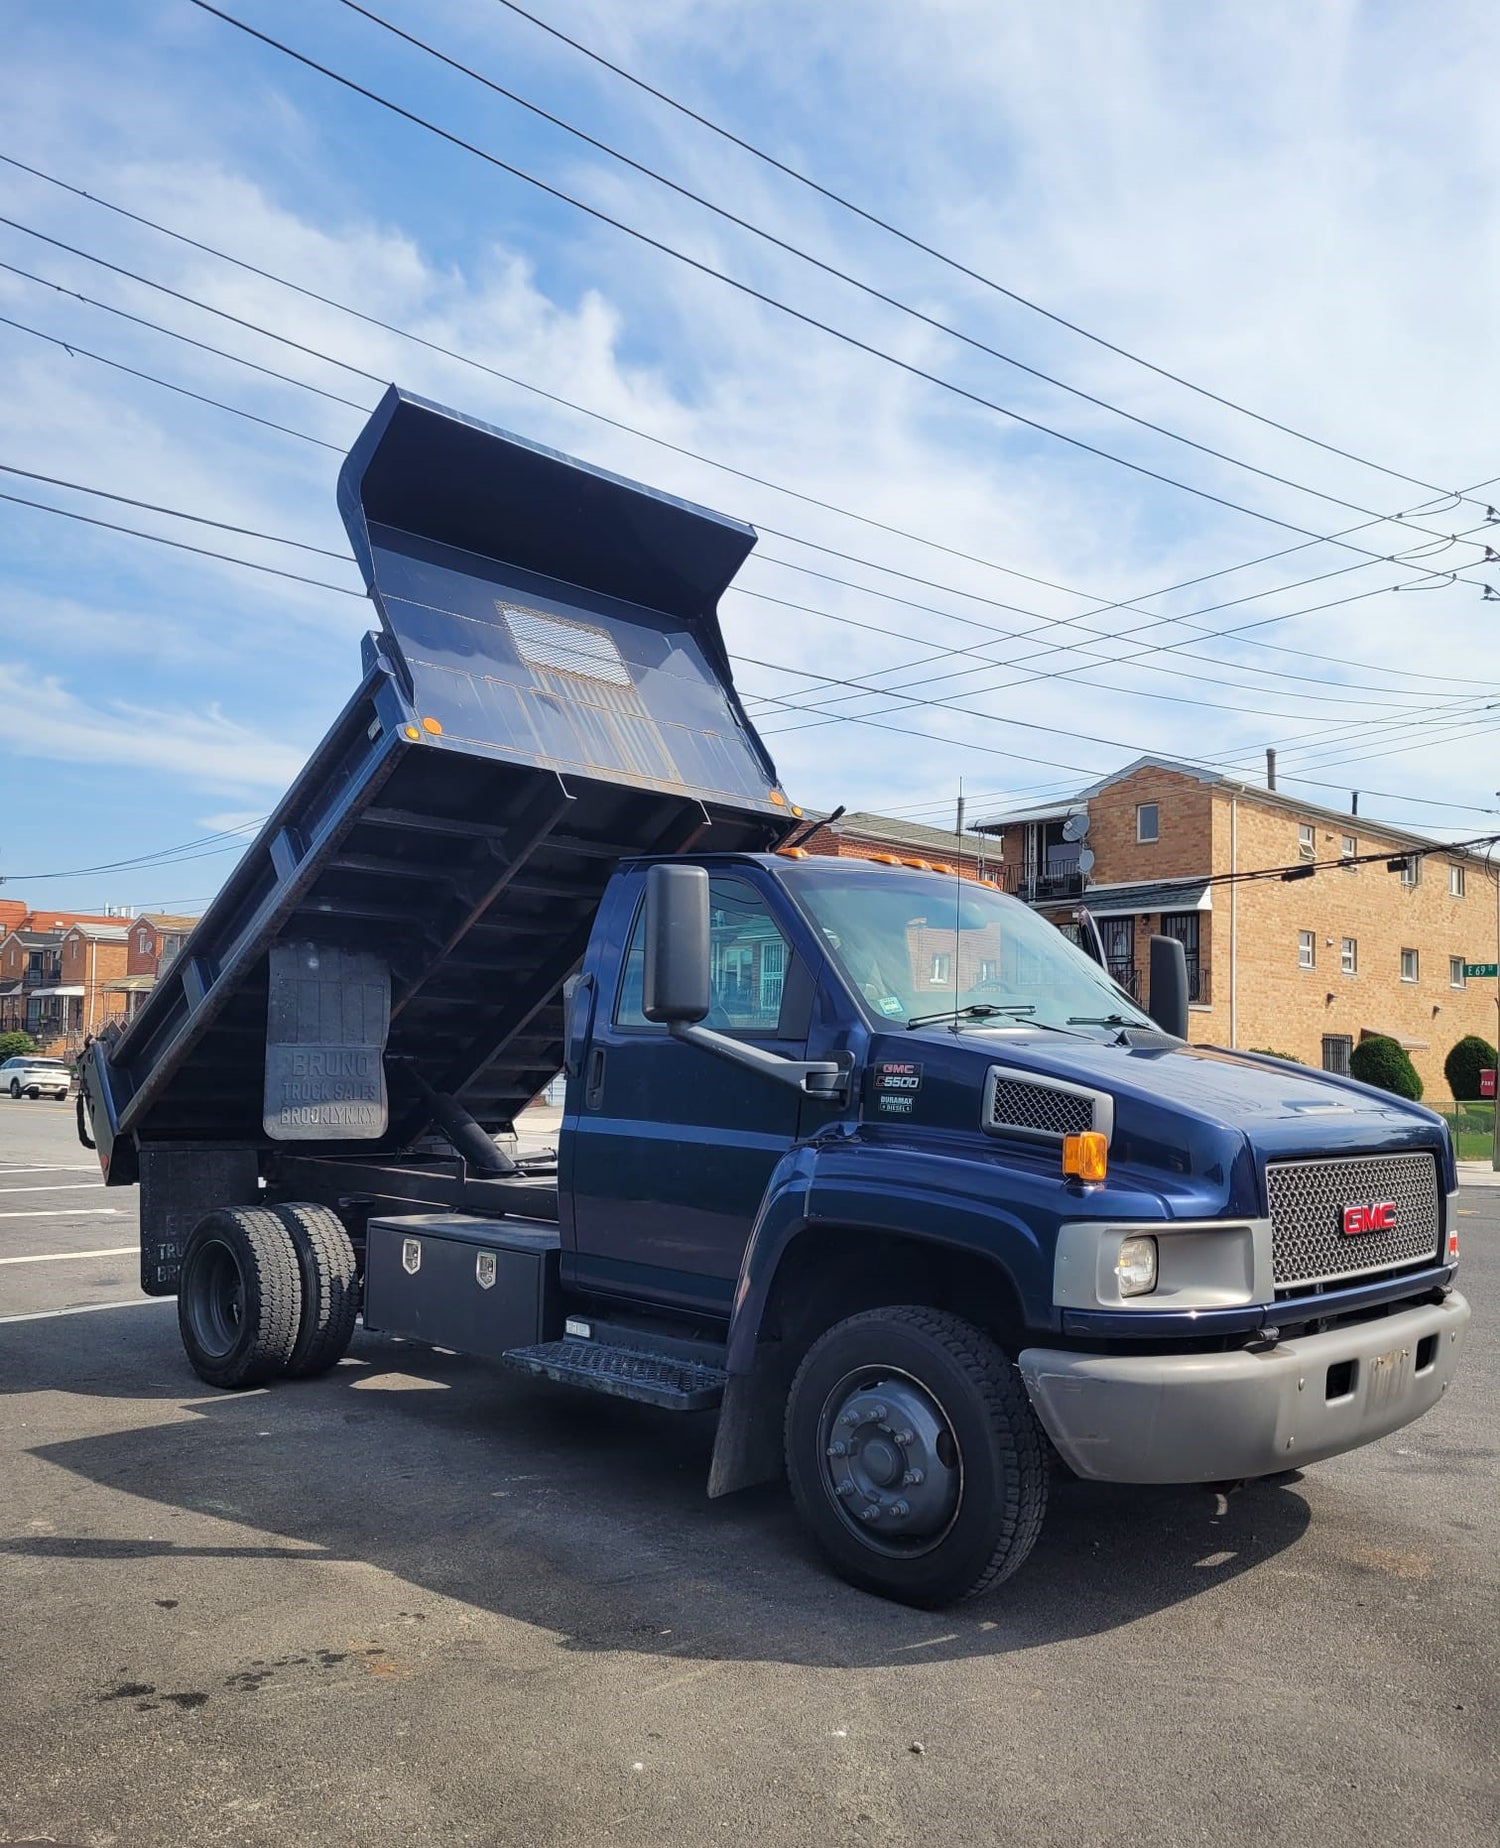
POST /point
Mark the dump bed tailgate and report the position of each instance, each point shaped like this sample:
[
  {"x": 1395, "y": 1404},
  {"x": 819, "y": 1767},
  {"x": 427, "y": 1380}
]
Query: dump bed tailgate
[{"x": 548, "y": 692}]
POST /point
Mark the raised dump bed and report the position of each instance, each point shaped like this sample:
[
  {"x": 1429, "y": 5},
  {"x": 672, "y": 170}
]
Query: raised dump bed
[{"x": 548, "y": 691}]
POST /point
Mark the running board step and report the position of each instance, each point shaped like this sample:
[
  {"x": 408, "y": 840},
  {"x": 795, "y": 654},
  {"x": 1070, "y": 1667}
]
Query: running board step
[{"x": 623, "y": 1372}]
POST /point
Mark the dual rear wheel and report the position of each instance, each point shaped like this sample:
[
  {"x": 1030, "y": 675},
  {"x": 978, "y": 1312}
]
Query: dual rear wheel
[{"x": 267, "y": 1293}]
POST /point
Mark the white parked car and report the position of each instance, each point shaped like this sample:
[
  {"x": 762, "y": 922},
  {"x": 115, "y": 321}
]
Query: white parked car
[{"x": 32, "y": 1076}]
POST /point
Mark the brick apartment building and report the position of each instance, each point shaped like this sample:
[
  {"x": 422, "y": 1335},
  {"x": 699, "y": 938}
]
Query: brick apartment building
[
  {"x": 32, "y": 977},
  {"x": 152, "y": 945},
  {"x": 1304, "y": 967}
]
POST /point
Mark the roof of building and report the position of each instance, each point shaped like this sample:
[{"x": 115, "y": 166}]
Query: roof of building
[
  {"x": 97, "y": 932},
  {"x": 35, "y": 939},
  {"x": 1346, "y": 822},
  {"x": 164, "y": 920},
  {"x": 130, "y": 985},
  {"x": 869, "y": 827}
]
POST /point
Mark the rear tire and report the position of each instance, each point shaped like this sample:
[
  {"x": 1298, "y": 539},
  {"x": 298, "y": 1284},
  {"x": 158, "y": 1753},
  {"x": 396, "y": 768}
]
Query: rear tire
[
  {"x": 15, "y": 1089},
  {"x": 330, "y": 1288},
  {"x": 239, "y": 1298},
  {"x": 914, "y": 1456}
]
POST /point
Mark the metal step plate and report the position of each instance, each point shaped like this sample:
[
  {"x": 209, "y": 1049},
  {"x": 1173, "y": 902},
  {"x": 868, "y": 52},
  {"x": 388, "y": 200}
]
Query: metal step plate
[{"x": 625, "y": 1373}]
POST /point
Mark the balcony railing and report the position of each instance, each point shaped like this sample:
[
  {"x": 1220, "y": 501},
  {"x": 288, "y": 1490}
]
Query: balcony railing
[{"x": 1039, "y": 885}]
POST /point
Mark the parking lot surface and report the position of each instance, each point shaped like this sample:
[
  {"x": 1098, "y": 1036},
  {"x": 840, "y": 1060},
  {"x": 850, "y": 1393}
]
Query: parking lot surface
[{"x": 420, "y": 1601}]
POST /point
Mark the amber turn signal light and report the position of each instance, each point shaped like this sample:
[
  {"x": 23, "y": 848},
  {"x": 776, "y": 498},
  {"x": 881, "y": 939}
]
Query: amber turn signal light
[{"x": 1086, "y": 1157}]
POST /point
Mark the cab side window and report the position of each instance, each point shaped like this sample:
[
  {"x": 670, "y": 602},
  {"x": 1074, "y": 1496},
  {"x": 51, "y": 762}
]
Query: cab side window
[{"x": 749, "y": 964}]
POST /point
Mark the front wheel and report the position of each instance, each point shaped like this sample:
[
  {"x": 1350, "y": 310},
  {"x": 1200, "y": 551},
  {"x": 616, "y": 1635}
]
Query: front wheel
[
  {"x": 239, "y": 1298},
  {"x": 15, "y": 1088},
  {"x": 914, "y": 1455}
]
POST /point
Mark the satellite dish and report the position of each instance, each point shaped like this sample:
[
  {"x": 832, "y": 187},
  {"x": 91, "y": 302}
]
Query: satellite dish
[
  {"x": 1086, "y": 860},
  {"x": 1075, "y": 827}
]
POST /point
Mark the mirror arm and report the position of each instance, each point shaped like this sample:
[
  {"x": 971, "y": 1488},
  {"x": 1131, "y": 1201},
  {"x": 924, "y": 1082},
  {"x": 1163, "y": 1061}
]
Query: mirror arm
[{"x": 825, "y": 1078}]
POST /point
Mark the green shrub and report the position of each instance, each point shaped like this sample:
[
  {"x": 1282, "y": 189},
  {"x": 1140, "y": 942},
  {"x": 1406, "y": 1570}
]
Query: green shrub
[
  {"x": 12, "y": 1045},
  {"x": 1463, "y": 1065},
  {"x": 1381, "y": 1061},
  {"x": 1270, "y": 1052}
]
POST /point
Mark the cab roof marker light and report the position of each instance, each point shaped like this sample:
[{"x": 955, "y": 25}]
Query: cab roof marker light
[{"x": 792, "y": 853}]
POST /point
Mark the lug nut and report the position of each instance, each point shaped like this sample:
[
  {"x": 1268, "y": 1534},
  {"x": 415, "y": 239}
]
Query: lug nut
[
  {"x": 905, "y": 1437},
  {"x": 912, "y": 1479},
  {"x": 838, "y": 1448},
  {"x": 872, "y": 1513},
  {"x": 899, "y": 1508},
  {"x": 850, "y": 1418},
  {"x": 879, "y": 1412},
  {"x": 843, "y": 1488}
]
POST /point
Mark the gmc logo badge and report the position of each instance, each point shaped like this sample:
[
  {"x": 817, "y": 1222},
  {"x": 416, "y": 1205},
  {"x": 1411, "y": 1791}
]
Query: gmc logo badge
[{"x": 1381, "y": 1218}]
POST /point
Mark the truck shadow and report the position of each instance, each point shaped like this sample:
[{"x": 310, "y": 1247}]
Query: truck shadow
[{"x": 587, "y": 1516}]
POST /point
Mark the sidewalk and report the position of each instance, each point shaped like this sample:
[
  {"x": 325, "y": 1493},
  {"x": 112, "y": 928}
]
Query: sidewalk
[{"x": 1477, "y": 1174}]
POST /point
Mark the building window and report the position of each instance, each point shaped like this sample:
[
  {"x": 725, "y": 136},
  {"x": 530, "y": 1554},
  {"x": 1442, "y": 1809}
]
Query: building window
[
  {"x": 1411, "y": 871},
  {"x": 1455, "y": 881},
  {"x": 942, "y": 968},
  {"x": 1307, "y": 844},
  {"x": 1336, "y": 1050},
  {"x": 1408, "y": 965},
  {"x": 1456, "y": 976},
  {"x": 1348, "y": 848},
  {"x": 989, "y": 970},
  {"x": 1306, "y": 950},
  {"x": 1349, "y": 956},
  {"x": 1186, "y": 928},
  {"x": 1147, "y": 821}
]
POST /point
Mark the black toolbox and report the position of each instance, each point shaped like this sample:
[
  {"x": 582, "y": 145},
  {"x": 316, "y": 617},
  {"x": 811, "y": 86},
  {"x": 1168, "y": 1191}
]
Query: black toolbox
[{"x": 479, "y": 1286}]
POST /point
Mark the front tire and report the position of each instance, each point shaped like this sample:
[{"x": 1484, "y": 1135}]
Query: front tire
[
  {"x": 15, "y": 1089},
  {"x": 239, "y": 1298},
  {"x": 914, "y": 1456}
]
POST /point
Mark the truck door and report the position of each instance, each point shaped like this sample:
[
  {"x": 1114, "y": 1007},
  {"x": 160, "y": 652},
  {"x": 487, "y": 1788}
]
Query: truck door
[{"x": 671, "y": 1148}]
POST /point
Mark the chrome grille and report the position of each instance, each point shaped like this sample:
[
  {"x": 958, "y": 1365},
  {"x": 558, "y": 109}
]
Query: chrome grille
[
  {"x": 1308, "y": 1242},
  {"x": 1037, "y": 1109}
]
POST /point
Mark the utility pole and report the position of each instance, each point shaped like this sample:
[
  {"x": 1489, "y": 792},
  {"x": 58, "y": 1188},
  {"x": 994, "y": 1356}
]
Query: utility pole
[{"x": 1495, "y": 1132}]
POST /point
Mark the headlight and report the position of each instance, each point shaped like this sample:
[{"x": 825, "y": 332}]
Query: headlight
[{"x": 1135, "y": 1266}]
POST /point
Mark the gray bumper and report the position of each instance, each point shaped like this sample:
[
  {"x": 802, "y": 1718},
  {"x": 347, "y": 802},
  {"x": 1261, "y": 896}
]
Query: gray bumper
[{"x": 1217, "y": 1417}]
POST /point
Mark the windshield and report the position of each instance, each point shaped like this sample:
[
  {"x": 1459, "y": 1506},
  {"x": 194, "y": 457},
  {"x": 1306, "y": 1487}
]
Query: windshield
[{"x": 916, "y": 944}]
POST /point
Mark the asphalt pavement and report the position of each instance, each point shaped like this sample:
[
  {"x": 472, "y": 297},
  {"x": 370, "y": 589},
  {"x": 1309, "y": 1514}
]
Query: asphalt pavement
[{"x": 420, "y": 1601}]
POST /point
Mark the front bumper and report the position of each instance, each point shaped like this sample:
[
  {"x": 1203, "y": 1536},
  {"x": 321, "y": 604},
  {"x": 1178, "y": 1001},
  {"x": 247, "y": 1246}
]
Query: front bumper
[{"x": 1218, "y": 1417}]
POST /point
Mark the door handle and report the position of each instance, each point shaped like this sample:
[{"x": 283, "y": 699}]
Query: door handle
[{"x": 593, "y": 1094}]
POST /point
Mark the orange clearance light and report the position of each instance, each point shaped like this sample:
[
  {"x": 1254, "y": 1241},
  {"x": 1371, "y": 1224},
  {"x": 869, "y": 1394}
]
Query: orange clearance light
[
  {"x": 796, "y": 811},
  {"x": 410, "y": 731},
  {"x": 885, "y": 859},
  {"x": 792, "y": 853},
  {"x": 921, "y": 866},
  {"x": 778, "y": 798},
  {"x": 1086, "y": 1157},
  {"x": 435, "y": 726}
]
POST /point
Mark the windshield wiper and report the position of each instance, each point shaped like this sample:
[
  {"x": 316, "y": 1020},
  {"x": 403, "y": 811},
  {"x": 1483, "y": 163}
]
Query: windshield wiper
[
  {"x": 976, "y": 1010},
  {"x": 1102, "y": 1020}
]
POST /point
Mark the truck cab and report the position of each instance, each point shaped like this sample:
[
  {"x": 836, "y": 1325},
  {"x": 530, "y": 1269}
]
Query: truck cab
[{"x": 863, "y": 1159}]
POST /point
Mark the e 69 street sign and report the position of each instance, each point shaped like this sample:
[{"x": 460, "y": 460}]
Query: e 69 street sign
[{"x": 1480, "y": 969}]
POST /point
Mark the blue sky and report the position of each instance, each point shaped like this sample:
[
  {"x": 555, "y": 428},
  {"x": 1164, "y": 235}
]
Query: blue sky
[{"x": 1294, "y": 207}]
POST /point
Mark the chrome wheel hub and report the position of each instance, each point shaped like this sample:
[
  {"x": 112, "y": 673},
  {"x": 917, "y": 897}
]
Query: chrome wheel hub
[{"x": 890, "y": 1461}]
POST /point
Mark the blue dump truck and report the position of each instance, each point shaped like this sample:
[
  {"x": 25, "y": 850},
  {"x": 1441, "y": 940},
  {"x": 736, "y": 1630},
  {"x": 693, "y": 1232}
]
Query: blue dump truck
[{"x": 863, "y": 1158}]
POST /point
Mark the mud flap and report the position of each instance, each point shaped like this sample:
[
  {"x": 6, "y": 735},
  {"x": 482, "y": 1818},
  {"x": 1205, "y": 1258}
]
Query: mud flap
[{"x": 328, "y": 1014}]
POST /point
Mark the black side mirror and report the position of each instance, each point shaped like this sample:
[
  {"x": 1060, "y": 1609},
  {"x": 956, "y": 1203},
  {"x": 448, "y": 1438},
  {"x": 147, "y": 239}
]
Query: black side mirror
[
  {"x": 677, "y": 948},
  {"x": 1169, "y": 986}
]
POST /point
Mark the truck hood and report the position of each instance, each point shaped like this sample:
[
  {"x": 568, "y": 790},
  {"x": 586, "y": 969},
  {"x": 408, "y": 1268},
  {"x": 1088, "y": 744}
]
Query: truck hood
[{"x": 1279, "y": 1109}]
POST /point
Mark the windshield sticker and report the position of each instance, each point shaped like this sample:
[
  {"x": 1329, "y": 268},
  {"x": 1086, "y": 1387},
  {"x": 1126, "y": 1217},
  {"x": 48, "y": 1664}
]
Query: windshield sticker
[
  {"x": 891, "y": 1004},
  {"x": 896, "y": 1083}
]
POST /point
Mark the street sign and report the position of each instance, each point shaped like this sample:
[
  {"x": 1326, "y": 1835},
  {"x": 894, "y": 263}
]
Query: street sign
[
  {"x": 1487, "y": 1081},
  {"x": 1481, "y": 969}
]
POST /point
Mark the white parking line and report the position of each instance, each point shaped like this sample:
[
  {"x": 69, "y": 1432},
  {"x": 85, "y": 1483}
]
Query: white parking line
[
  {"x": 66, "y": 1257},
  {"x": 52, "y": 1187},
  {"x": 55, "y": 1167},
  {"x": 47, "y": 1315},
  {"x": 62, "y": 1212}
]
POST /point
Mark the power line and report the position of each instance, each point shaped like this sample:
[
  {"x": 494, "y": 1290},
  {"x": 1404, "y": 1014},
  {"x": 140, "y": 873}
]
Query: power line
[
  {"x": 228, "y": 558},
  {"x": 74, "y": 351},
  {"x": 745, "y": 288},
  {"x": 831, "y": 269},
  {"x": 172, "y": 333},
  {"x": 159, "y": 856},
  {"x": 954, "y": 263},
  {"x": 1103, "y": 606},
  {"x": 198, "y": 519}
]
